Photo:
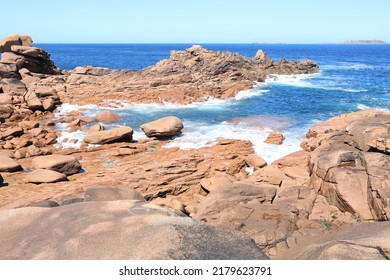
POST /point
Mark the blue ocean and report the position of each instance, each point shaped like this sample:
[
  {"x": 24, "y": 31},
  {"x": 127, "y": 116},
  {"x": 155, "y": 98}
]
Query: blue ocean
[{"x": 352, "y": 77}]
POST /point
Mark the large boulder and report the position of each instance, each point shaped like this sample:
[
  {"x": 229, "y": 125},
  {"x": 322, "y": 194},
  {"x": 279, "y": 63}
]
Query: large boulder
[
  {"x": 116, "y": 230},
  {"x": 107, "y": 116},
  {"x": 66, "y": 164},
  {"x": 1, "y": 180},
  {"x": 164, "y": 127},
  {"x": 40, "y": 176},
  {"x": 120, "y": 134},
  {"x": 8, "y": 164},
  {"x": 11, "y": 40}
]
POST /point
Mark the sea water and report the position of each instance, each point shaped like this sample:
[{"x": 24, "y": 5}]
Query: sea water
[{"x": 352, "y": 77}]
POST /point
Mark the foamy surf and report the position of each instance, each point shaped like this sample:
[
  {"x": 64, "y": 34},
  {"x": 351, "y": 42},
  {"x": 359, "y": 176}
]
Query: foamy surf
[
  {"x": 365, "y": 107},
  {"x": 315, "y": 81},
  {"x": 197, "y": 135},
  {"x": 348, "y": 66},
  {"x": 301, "y": 80},
  {"x": 246, "y": 94}
]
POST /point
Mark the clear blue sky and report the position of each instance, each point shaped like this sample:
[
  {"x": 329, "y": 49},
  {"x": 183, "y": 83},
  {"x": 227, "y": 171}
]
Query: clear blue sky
[{"x": 197, "y": 21}]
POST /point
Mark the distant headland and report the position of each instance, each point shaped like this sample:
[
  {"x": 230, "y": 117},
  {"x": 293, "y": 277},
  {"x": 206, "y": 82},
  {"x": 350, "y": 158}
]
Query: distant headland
[{"x": 365, "y": 42}]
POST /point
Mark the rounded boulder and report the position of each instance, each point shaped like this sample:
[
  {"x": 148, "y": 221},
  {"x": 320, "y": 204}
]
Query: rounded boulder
[
  {"x": 107, "y": 116},
  {"x": 164, "y": 127}
]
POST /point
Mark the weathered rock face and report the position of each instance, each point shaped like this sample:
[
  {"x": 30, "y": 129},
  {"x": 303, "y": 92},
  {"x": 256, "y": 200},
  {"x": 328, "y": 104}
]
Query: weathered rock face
[
  {"x": 14, "y": 40},
  {"x": 164, "y": 127},
  {"x": 120, "y": 134},
  {"x": 367, "y": 241},
  {"x": 116, "y": 230},
  {"x": 34, "y": 59},
  {"x": 349, "y": 165},
  {"x": 248, "y": 208},
  {"x": 65, "y": 164}
]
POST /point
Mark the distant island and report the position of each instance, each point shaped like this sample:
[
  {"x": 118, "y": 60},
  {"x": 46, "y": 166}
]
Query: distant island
[{"x": 365, "y": 42}]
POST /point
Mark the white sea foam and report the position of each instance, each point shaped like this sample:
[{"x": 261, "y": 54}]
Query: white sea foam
[
  {"x": 343, "y": 89},
  {"x": 68, "y": 136},
  {"x": 365, "y": 107},
  {"x": 306, "y": 80},
  {"x": 348, "y": 66},
  {"x": 197, "y": 135},
  {"x": 302, "y": 80},
  {"x": 246, "y": 94}
]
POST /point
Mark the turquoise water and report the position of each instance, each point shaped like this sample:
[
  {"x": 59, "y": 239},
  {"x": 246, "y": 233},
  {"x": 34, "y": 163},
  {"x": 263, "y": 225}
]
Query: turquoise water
[{"x": 352, "y": 77}]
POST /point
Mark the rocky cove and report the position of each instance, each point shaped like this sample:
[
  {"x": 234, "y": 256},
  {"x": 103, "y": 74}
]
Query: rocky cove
[{"x": 137, "y": 200}]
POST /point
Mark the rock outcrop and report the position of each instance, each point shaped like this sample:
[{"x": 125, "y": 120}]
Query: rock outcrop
[
  {"x": 164, "y": 127},
  {"x": 29, "y": 87},
  {"x": 349, "y": 165},
  {"x": 17, "y": 51},
  {"x": 194, "y": 74},
  {"x": 14, "y": 40},
  {"x": 116, "y": 230}
]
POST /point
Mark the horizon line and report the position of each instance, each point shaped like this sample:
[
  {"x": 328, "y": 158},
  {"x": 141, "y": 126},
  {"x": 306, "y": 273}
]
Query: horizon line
[{"x": 195, "y": 43}]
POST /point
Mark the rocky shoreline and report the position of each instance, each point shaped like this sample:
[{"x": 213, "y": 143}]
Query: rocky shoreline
[{"x": 179, "y": 204}]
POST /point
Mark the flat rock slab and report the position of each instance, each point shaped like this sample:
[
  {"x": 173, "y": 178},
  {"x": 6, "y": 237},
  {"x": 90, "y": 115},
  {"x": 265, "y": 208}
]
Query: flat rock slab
[
  {"x": 110, "y": 194},
  {"x": 40, "y": 176},
  {"x": 367, "y": 241},
  {"x": 116, "y": 230},
  {"x": 120, "y": 134},
  {"x": 8, "y": 164},
  {"x": 65, "y": 164}
]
